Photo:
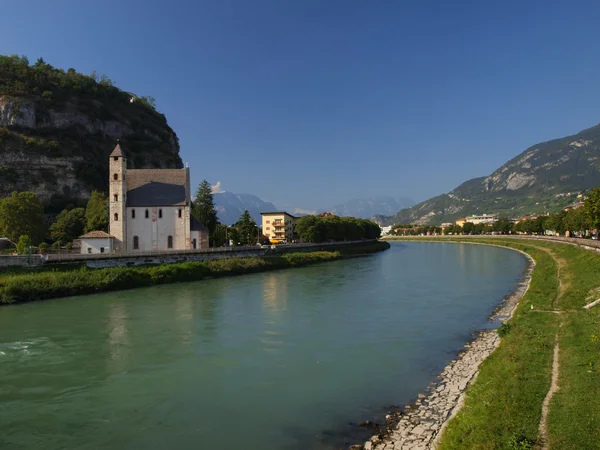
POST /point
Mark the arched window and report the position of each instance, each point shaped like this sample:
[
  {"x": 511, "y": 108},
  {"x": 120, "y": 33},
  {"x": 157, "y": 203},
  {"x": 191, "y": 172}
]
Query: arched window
[
  {"x": 180, "y": 213},
  {"x": 160, "y": 213},
  {"x": 136, "y": 243},
  {"x": 170, "y": 242},
  {"x": 116, "y": 197},
  {"x": 116, "y": 217},
  {"x": 116, "y": 158},
  {"x": 133, "y": 213},
  {"x": 116, "y": 176},
  {"x": 147, "y": 215},
  {"x": 194, "y": 244}
]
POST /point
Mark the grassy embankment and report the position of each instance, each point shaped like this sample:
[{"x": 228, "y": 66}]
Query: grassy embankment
[
  {"x": 503, "y": 408},
  {"x": 20, "y": 285}
]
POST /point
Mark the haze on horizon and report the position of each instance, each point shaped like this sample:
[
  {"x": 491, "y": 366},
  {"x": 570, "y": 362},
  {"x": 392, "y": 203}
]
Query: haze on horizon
[{"x": 309, "y": 104}]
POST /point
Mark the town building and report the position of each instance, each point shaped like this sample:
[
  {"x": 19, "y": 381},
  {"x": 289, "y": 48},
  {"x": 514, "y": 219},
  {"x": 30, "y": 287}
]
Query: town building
[
  {"x": 460, "y": 222},
  {"x": 150, "y": 209},
  {"x": 96, "y": 242},
  {"x": 386, "y": 230},
  {"x": 279, "y": 226},
  {"x": 482, "y": 218}
]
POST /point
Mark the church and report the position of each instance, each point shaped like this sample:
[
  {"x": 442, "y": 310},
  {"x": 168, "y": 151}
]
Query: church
[{"x": 150, "y": 209}]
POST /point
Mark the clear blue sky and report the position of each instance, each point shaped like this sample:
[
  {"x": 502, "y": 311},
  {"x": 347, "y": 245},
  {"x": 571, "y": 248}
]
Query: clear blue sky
[{"x": 309, "y": 103}]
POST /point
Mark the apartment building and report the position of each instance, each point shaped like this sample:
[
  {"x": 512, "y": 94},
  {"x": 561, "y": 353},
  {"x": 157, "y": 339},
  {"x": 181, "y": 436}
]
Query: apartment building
[{"x": 279, "y": 226}]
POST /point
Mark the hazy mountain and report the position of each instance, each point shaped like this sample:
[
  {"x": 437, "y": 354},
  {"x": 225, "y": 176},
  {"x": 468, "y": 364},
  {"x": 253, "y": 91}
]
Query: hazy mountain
[
  {"x": 543, "y": 178},
  {"x": 231, "y": 206},
  {"x": 369, "y": 207}
]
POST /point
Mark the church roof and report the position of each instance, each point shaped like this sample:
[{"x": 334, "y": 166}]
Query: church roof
[
  {"x": 156, "y": 187},
  {"x": 195, "y": 225},
  {"x": 117, "y": 151}
]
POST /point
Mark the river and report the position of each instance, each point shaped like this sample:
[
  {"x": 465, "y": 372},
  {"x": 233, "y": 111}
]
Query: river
[{"x": 277, "y": 360}]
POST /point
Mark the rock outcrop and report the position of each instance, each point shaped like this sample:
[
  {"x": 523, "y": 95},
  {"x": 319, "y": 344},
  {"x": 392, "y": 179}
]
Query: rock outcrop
[{"x": 57, "y": 129}]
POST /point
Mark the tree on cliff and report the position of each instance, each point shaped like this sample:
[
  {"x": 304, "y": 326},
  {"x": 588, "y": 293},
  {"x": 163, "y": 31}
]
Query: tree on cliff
[
  {"x": 69, "y": 225},
  {"x": 96, "y": 213},
  {"x": 22, "y": 213},
  {"x": 203, "y": 208}
]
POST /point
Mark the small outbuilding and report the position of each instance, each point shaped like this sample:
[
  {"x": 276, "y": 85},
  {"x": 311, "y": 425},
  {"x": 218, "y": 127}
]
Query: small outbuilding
[{"x": 96, "y": 242}]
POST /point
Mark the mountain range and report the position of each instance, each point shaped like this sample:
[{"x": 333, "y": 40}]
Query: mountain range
[
  {"x": 544, "y": 178},
  {"x": 366, "y": 208},
  {"x": 231, "y": 206}
]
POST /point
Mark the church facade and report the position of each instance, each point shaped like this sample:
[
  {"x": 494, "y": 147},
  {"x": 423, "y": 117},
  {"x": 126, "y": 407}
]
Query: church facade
[{"x": 150, "y": 209}]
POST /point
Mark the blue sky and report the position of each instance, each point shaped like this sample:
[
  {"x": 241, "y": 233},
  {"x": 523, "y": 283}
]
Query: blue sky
[{"x": 309, "y": 103}]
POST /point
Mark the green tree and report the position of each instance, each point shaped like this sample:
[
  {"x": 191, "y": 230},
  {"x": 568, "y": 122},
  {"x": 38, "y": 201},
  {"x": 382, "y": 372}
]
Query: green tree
[
  {"x": 96, "y": 213},
  {"x": 591, "y": 207},
  {"x": 247, "y": 231},
  {"x": 468, "y": 227},
  {"x": 69, "y": 225},
  {"x": 503, "y": 225},
  {"x": 577, "y": 220},
  {"x": 220, "y": 235},
  {"x": 22, "y": 213},
  {"x": 203, "y": 209},
  {"x": 23, "y": 244},
  {"x": 556, "y": 222}
]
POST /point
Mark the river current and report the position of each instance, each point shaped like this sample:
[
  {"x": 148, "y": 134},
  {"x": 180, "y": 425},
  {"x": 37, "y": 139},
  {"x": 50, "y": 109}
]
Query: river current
[{"x": 278, "y": 360}]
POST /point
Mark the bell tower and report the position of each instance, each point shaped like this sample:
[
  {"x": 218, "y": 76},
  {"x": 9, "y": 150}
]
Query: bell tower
[{"x": 117, "y": 171}]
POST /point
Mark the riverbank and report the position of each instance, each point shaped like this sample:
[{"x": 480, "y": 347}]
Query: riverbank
[
  {"x": 508, "y": 388},
  {"x": 53, "y": 282}
]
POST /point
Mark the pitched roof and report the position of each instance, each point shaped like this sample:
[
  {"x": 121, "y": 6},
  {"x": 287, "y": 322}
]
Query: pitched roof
[
  {"x": 277, "y": 212},
  {"x": 195, "y": 225},
  {"x": 117, "y": 151},
  {"x": 156, "y": 187},
  {"x": 96, "y": 235}
]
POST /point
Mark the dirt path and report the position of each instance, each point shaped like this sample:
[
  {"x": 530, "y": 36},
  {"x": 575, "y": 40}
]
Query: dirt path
[{"x": 562, "y": 287}]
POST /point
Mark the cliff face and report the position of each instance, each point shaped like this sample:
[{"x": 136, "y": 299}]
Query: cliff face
[{"x": 57, "y": 129}]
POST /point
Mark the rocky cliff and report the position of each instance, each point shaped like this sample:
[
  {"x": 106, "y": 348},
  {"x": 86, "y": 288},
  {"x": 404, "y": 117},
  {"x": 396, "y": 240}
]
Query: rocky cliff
[
  {"x": 544, "y": 178},
  {"x": 58, "y": 127}
]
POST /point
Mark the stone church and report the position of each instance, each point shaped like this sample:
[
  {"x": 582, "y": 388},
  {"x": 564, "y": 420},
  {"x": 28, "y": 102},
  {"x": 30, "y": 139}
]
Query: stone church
[{"x": 150, "y": 209}]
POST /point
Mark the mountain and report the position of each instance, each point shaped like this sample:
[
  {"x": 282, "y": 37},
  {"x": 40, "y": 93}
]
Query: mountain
[
  {"x": 544, "y": 178},
  {"x": 231, "y": 206},
  {"x": 58, "y": 127},
  {"x": 368, "y": 207}
]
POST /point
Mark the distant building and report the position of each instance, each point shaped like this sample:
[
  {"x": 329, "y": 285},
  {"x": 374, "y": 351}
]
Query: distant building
[
  {"x": 524, "y": 218},
  {"x": 575, "y": 205},
  {"x": 326, "y": 214},
  {"x": 460, "y": 222},
  {"x": 386, "y": 230},
  {"x": 279, "y": 226},
  {"x": 150, "y": 209},
  {"x": 483, "y": 218},
  {"x": 96, "y": 242}
]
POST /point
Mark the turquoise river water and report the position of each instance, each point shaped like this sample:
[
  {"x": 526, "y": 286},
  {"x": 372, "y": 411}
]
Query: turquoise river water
[{"x": 277, "y": 360}]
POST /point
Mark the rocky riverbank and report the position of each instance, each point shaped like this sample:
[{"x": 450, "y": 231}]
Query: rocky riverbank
[{"x": 422, "y": 423}]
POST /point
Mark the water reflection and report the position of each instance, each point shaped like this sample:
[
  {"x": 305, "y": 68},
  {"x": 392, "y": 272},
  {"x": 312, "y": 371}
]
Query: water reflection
[
  {"x": 275, "y": 304},
  {"x": 275, "y": 292},
  {"x": 184, "y": 313},
  {"x": 118, "y": 338}
]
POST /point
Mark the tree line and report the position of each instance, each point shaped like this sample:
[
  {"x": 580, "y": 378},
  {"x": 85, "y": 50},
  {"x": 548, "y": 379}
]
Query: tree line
[{"x": 335, "y": 228}]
